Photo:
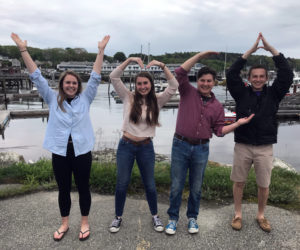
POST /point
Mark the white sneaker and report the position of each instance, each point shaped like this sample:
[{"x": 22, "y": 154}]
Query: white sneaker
[
  {"x": 115, "y": 225},
  {"x": 171, "y": 227},
  {"x": 193, "y": 226},
  {"x": 157, "y": 224}
]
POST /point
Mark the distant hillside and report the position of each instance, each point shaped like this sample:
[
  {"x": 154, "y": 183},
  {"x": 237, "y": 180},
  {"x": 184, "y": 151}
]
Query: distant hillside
[{"x": 56, "y": 55}]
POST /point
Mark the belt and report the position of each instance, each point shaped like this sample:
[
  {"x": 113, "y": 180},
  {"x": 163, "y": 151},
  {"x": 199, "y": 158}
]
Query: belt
[
  {"x": 137, "y": 143},
  {"x": 191, "y": 140}
]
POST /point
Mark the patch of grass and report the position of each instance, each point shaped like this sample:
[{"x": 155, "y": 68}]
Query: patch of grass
[
  {"x": 216, "y": 183},
  {"x": 103, "y": 178},
  {"x": 38, "y": 172},
  {"x": 284, "y": 188}
]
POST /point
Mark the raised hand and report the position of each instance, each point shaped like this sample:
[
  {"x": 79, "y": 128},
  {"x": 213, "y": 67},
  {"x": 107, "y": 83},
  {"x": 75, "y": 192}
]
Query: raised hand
[
  {"x": 137, "y": 60},
  {"x": 155, "y": 63},
  {"x": 102, "y": 44},
  {"x": 254, "y": 48},
  {"x": 188, "y": 64},
  {"x": 22, "y": 45},
  {"x": 267, "y": 46}
]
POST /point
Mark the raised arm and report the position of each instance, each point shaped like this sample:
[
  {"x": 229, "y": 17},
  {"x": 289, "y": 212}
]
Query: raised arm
[
  {"x": 131, "y": 59},
  {"x": 22, "y": 45},
  {"x": 115, "y": 77},
  {"x": 266, "y": 46},
  {"x": 99, "y": 59},
  {"x": 165, "y": 96},
  {"x": 35, "y": 74},
  {"x": 95, "y": 78},
  {"x": 162, "y": 66},
  {"x": 188, "y": 64}
]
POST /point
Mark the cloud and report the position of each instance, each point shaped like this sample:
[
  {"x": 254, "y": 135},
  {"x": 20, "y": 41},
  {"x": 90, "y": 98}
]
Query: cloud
[{"x": 169, "y": 25}]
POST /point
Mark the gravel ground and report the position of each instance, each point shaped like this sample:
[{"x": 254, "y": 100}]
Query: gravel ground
[{"x": 28, "y": 222}]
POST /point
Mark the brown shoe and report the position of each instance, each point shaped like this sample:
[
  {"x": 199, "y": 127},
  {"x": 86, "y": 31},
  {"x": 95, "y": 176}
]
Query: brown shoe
[
  {"x": 236, "y": 223},
  {"x": 264, "y": 224}
]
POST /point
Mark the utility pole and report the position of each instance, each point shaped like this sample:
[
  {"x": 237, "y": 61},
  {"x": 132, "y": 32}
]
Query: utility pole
[{"x": 148, "y": 53}]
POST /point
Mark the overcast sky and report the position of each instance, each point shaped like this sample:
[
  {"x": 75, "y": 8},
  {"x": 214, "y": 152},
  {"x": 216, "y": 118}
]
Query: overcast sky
[{"x": 168, "y": 25}]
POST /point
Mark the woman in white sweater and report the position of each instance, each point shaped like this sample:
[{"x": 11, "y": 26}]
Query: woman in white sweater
[{"x": 141, "y": 111}]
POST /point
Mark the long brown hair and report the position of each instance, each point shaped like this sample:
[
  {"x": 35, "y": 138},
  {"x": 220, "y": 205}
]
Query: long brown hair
[
  {"x": 151, "y": 103},
  {"x": 61, "y": 94}
]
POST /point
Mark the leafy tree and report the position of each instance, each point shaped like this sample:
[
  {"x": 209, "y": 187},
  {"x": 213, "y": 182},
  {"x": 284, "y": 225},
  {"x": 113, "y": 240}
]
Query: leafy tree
[
  {"x": 57, "y": 55},
  {"x": 119, "y": 56}
]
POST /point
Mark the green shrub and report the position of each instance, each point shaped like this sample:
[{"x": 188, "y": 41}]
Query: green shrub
[
  {"x": 103, "y": 178},
  {"x": 216, "y": 183},
  {"x": 284, "y": 188}
]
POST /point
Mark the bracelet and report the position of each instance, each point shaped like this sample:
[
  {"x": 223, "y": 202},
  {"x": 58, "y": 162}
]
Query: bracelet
[
  {"x": 23, "y": 50},
  {"x": 163, "y": 67}
]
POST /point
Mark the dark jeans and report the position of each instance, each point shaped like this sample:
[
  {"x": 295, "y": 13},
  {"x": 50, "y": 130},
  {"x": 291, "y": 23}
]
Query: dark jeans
[
  {"x": 187, "y": 156},
  {"x": 63, "y": 166},
  {"x": 145, "y": 157}
]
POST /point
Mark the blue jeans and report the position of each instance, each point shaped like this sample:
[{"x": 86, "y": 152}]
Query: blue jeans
[
  {"x": 187, "y": 156},
  {"x": 145, "y": 158}
]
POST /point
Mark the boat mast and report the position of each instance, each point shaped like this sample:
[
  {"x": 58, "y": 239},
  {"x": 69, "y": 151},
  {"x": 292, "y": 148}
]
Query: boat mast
[
  {"x": 148, "y": 53},
  {"x": 224, "y": 71}
]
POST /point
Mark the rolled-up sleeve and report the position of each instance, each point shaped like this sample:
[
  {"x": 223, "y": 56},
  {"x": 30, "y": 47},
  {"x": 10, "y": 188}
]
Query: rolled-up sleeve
[
  {"x": 219, "y": 123},
  {"x": 92, "y": 86},
  {"x": 183, "y": 80},
  {"x": 42, "y": 85},
  {"x": 165, "y": 96},
  {"x": 120, "y": 88}
]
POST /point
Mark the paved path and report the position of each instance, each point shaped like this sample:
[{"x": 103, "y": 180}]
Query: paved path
[{"x": 28, "y": 222}]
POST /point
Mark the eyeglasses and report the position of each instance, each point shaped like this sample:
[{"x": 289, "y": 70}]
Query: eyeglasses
[{"x": 69, "y": 82}]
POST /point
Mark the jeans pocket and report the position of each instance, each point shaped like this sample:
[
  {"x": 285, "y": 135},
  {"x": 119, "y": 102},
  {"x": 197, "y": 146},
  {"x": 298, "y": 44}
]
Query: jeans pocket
[
  {"x": 177, "y": 142},
  {"x": 123, "y": 142}
]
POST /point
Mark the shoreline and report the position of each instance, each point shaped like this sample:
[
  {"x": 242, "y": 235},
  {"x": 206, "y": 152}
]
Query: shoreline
[{"x": 108, "y": 155}]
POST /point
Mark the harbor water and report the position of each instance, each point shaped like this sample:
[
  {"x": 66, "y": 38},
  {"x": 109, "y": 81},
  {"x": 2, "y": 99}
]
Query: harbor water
[{"x": 25, "y": 136}]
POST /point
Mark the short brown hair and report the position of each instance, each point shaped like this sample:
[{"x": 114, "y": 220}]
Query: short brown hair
[
  {"x": 258, "y": 66},
  {"x": 206, "y": 70}
]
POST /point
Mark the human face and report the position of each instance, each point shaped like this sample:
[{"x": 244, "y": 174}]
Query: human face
[
  {"x": 143, "y": 85},
  {"x": 205, "y": 83},
  {"x": 70, "y": 86},
  {"x": 258, "y": 79}
]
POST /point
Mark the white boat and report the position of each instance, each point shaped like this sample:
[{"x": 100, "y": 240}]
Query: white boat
[
  {"x": 160, "y": 86},
  {"x": 230, "y": 117},
  {"x": 295, "y": 87}
]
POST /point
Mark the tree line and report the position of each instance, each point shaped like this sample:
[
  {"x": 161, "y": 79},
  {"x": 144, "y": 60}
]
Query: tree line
[{"x": 53, "y": 56}]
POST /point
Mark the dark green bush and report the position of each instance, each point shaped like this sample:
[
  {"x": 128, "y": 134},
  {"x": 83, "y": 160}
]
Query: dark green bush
[{"x": 284, "y": 188}]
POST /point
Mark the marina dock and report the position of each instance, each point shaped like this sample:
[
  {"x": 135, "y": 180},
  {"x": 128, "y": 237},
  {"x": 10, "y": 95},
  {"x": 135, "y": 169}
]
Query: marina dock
[
  {"x": 4, "y": 118},
  {"x": 289, "y": 107},
  {"x": 6, "y": 115},
  {"x": 29, "y": 113}
]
